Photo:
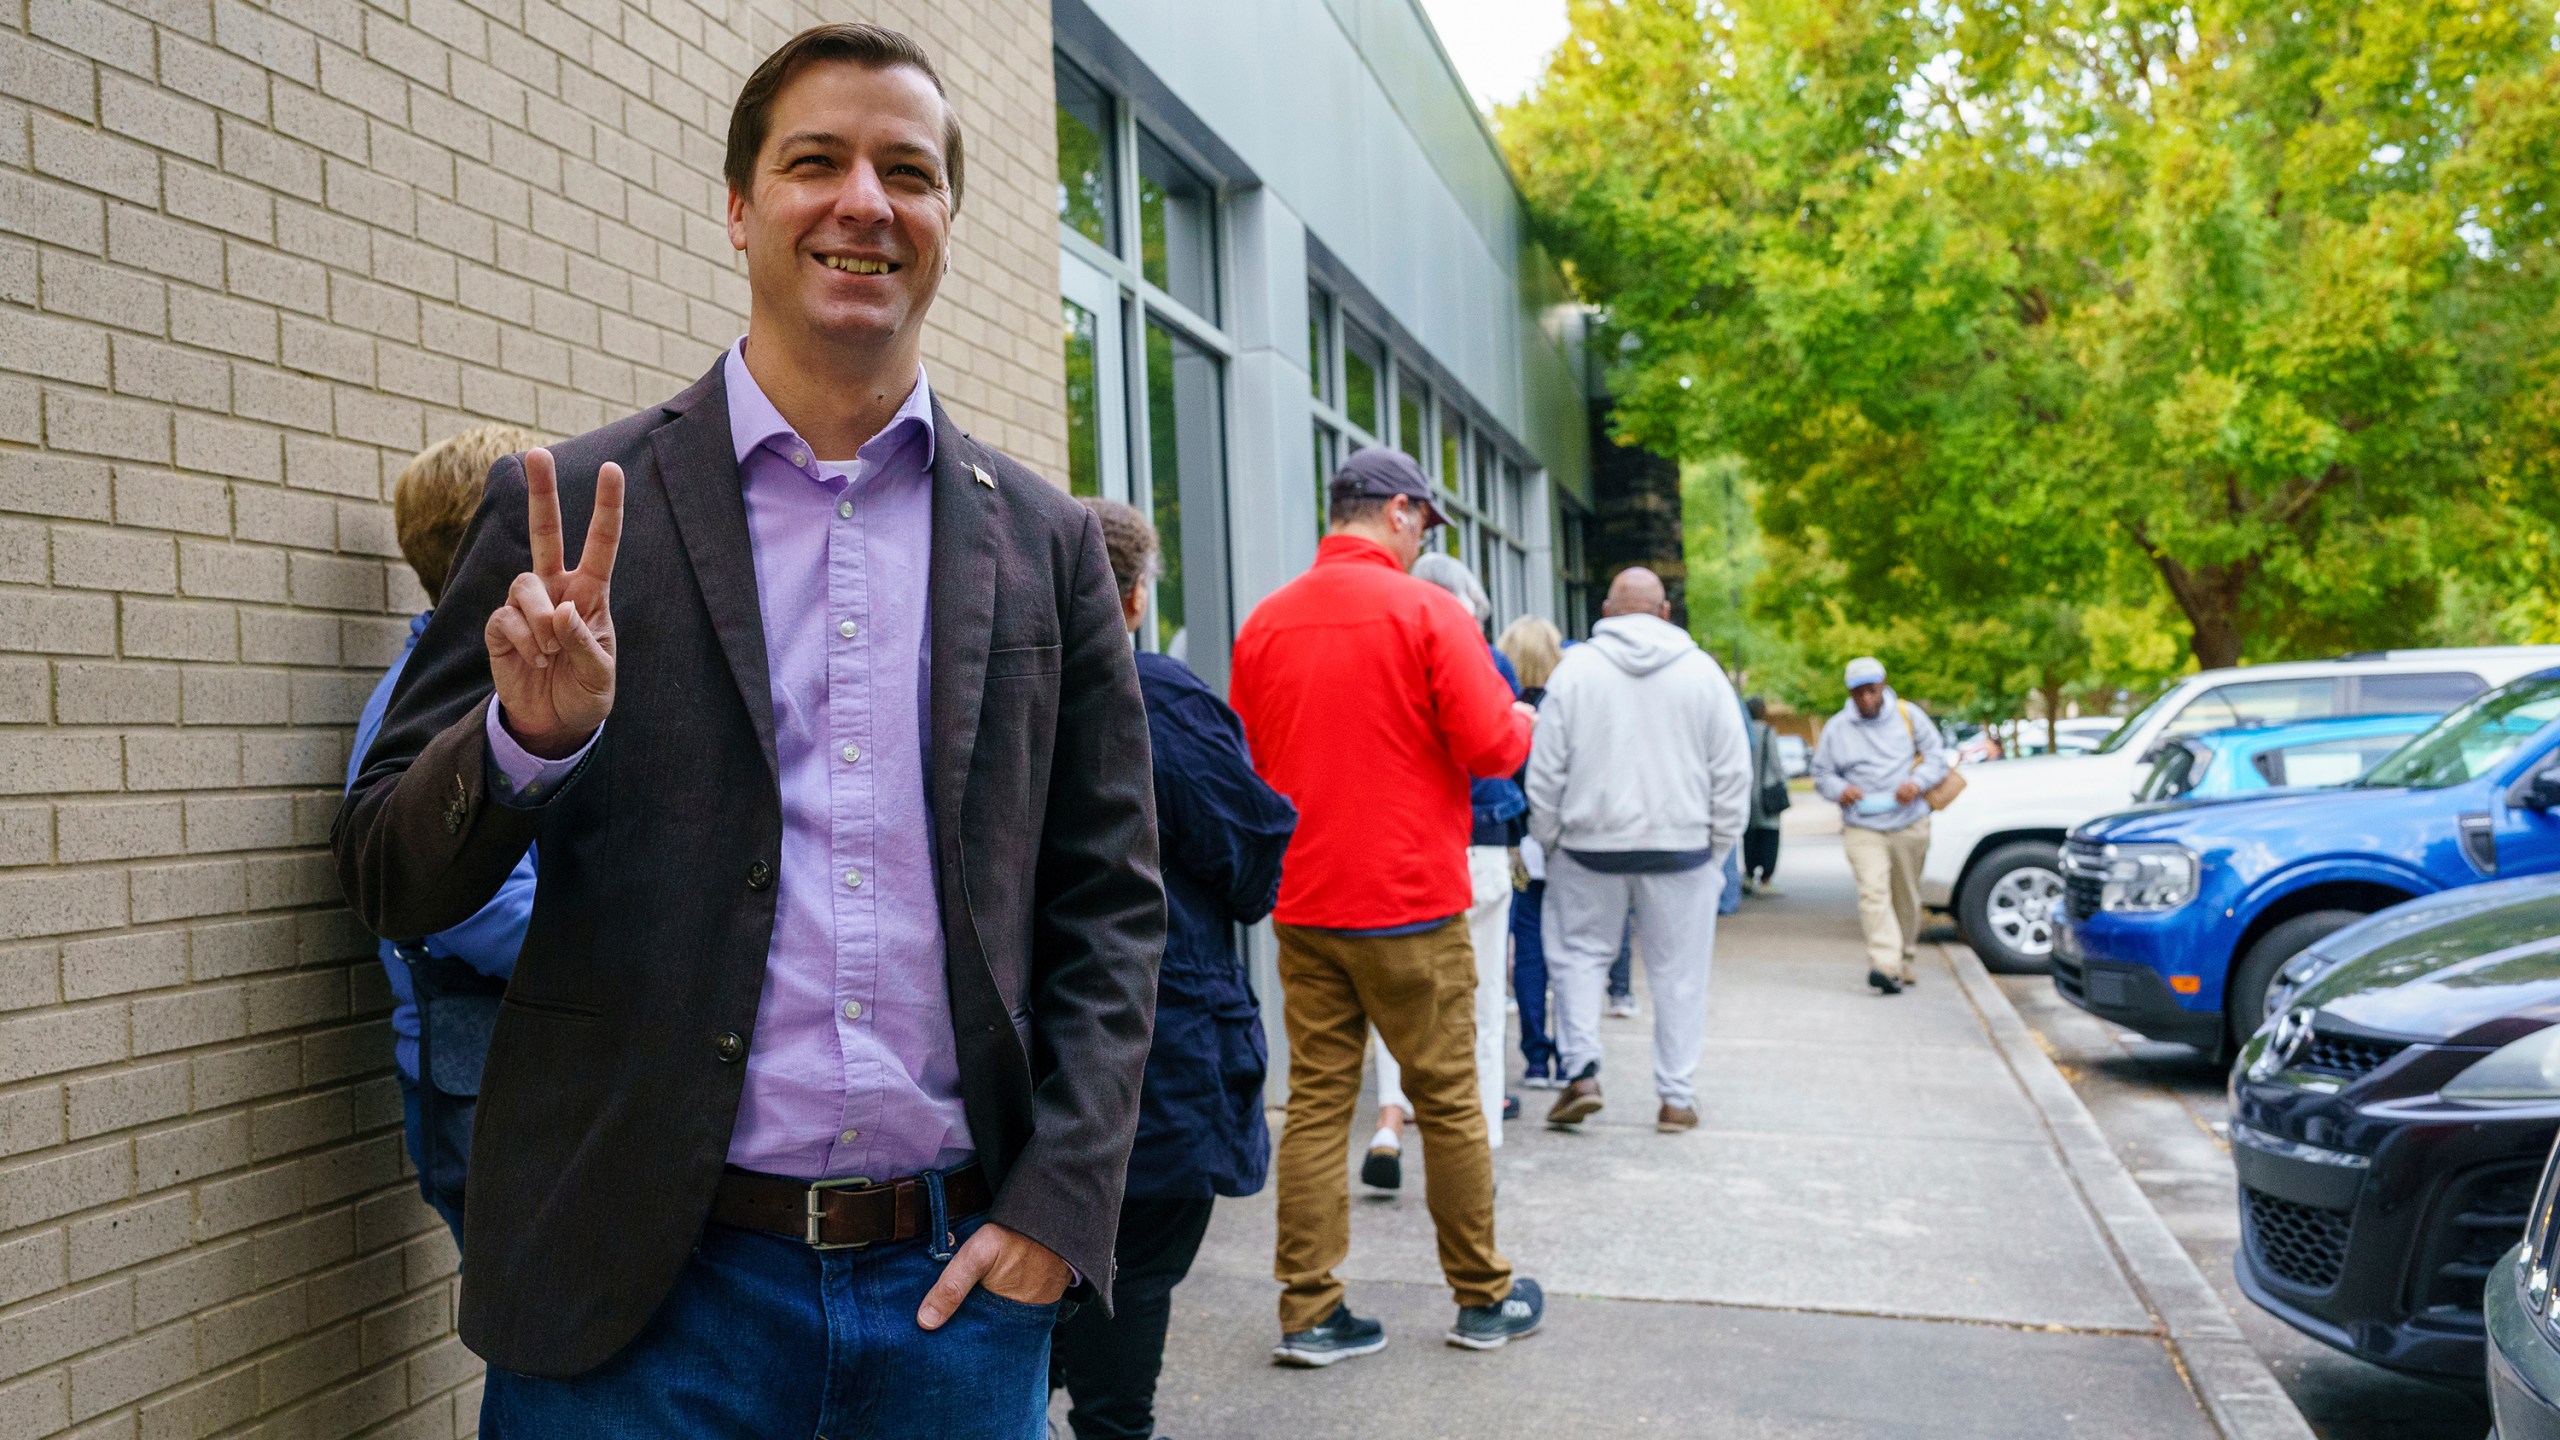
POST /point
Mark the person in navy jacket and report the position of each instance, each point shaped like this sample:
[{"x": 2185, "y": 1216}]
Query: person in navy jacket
[
  {"x": 445, "y": 989},
  {"x": 1201, "y": 1132}
]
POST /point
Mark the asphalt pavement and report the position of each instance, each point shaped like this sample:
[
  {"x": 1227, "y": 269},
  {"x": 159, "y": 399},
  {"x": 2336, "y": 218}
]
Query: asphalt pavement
[{"x": 1884, "y": 1228}]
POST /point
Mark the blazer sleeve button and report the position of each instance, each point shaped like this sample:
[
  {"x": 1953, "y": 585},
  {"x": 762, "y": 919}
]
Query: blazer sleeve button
[
  {"x": 759, "y": 876},
  {"x": 729, "y": 1047}
]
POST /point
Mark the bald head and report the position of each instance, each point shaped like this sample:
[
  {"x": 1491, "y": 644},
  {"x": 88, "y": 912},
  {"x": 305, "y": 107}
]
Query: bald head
[{"x": 1637, "y": 591}]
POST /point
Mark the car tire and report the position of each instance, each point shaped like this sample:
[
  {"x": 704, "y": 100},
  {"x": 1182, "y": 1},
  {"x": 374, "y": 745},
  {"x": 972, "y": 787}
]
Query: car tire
[
  {"x": 2010, "y": 906},
  {"x": 2244, "y": 995}
]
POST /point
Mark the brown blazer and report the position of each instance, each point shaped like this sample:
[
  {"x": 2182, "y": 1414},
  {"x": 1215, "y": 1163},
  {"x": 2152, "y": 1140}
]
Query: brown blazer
[{"x": 614, "y": 1076}]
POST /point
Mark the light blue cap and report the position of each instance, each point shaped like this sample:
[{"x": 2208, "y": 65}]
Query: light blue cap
[{"x": 1865, "y": 670}]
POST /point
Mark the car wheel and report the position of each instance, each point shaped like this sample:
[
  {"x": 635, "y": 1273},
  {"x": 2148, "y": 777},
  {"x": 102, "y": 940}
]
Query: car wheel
[
  {"x": 2244, "y": 995},
  {"x": 2011, "y": 905}
]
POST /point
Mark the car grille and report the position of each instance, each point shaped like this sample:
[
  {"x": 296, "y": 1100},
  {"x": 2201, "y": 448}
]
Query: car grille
[
  {"x": 2347, "y": 1057},
  {"x": 2084, "y": 872},
  {"x": 2300, "y": 1244},
  {"x": 2479, "y": 1218}
]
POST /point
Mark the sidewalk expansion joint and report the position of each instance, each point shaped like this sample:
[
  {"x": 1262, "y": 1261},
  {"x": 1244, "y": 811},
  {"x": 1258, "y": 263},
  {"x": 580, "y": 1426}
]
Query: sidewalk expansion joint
[{"x": 2239, "y": 1394}]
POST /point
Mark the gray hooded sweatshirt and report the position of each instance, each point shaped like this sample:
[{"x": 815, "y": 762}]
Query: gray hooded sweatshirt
[
  {"x": 1875, "y": 755},
  {"x": 1640, "y": 746}
]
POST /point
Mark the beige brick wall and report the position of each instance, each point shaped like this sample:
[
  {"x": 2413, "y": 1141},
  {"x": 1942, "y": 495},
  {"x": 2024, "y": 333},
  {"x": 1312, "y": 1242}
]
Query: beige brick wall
[{"x": 251, "y": 257}]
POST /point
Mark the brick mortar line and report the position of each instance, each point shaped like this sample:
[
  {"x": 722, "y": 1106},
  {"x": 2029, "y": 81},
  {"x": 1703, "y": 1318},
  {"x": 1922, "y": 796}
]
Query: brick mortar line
[{"x": 2239, "y": 1393}]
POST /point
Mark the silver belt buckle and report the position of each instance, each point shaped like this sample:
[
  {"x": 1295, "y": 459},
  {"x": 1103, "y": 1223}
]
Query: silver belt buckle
[{"x": 818, "y": 1214}]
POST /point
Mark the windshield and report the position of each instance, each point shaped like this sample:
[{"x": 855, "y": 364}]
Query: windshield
[
  {"x": 2473, "y": 740},
  {"x": 2124, "y": 732}
]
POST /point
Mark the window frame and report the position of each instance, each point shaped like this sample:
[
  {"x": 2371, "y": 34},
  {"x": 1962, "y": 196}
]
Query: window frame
[{"x": 1122, "y": 268}]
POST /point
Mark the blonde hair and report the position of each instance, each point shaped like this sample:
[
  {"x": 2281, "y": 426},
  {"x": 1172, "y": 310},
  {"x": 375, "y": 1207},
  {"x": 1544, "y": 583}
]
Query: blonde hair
[
  {"x": 1533, "y": 647},
  {"x": 437, "y": 493}
]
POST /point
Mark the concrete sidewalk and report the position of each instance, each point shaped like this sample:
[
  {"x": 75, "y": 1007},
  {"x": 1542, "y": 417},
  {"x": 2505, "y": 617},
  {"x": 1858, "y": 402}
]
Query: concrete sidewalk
[{"x": 1884, "y": 1228}]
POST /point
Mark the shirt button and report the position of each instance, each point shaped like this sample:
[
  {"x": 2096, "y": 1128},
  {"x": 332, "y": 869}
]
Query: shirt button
[
  {"x": 799, "y": 457},
  {"x": 728, "y": 1047},
  {"x": 853, "y": 1009},
  {"x": 759, "y": 875},
  {"x": 844, "y": 509},
  {"x": 853, "y": 879},
  {"x": 850, "y": 1136},
  {"x": 846, "y": 629},
  {"x": 852, "y": 753}
]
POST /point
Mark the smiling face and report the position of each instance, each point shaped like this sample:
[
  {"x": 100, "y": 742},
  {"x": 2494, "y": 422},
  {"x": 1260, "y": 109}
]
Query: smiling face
[{"x": 847, "y": 222}]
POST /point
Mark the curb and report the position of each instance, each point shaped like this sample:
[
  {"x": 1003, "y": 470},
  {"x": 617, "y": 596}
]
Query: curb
[{"x": 2235, "y": 1387}]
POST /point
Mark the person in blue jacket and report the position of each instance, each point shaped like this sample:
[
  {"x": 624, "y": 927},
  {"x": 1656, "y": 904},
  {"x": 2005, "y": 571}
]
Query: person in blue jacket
[
  {"x": 446, "y": 986},
  {"x": 1201, "y": 1132}
]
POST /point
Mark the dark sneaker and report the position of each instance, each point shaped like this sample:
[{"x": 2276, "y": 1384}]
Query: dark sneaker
[
  {"x": 1490, "y": 1327},
  {"x": 1884, "y": 984},
  {"x": 1675, "y": 1119},
  {"x": 1580, "y": 1100},
  {"x": 1341, "y": 1336},
  {"x": 1383, "y": 1169},
  {"x": 1510, "y": 1107},
  {"x": 1541, "y": 1075}
]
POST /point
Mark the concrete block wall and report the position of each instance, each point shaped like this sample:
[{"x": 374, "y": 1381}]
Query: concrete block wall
[{"x": 252, "y": 256}]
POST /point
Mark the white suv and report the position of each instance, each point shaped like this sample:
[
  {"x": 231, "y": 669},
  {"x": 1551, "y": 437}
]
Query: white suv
[{"x": 1994, "y": 855}]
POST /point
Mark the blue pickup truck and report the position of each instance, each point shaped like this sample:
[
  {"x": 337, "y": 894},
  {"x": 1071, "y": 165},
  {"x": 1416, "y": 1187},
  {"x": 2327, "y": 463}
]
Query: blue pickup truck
[{"x": 2178, "y": 915}]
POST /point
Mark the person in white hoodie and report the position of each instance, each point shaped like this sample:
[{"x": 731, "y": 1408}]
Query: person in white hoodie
[{"x": 1639, "y": 785}]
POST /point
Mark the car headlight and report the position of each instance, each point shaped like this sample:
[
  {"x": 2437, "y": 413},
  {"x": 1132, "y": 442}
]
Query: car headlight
[
  {"x": 2145, "y": 877},
  {"x": 2526, "y": 1069}
]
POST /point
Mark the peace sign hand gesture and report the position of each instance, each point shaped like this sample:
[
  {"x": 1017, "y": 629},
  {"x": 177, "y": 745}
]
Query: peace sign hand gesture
[{"x": 551, "y": 647}]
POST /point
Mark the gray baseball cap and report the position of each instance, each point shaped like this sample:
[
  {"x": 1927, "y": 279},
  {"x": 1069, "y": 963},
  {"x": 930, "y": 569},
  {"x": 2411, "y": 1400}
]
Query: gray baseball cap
[{"x": 1379, "y": 473}]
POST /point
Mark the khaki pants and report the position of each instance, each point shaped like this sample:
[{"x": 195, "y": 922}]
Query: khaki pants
[
  {"x": 1420, "y": 991},
  {"x": 1887, "y": 864},
  {"x": 1489, "y": 930}
]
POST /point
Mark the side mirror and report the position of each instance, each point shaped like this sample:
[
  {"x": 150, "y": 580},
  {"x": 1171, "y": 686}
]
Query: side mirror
[{"x": 2539, "y": 790}]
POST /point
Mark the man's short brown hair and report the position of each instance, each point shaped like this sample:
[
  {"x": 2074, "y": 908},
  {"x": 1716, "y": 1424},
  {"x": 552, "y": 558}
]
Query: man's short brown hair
[
  {"x": 438, "y": 492},
  {"x": 1130, "y": 542},
  {"x": 874, "y": 47}
]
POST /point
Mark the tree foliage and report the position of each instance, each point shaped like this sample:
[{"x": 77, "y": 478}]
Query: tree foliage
[{"x": 2023, "y": 318}]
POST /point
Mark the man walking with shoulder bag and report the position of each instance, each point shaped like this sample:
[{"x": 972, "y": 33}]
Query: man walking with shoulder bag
[{"x": 1883, "y": 762}]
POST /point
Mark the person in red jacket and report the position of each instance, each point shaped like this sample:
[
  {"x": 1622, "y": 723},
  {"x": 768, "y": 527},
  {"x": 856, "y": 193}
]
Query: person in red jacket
[{"x": 1369, "y": 701}]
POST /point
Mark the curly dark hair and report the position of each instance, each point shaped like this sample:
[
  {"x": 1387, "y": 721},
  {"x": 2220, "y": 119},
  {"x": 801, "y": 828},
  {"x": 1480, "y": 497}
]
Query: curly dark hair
[{"x": 1130, "y": 541}]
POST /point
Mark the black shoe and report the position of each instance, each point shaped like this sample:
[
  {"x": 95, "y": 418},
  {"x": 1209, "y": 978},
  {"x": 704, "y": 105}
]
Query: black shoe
[
  {"x": 1383, "y": 1169},
  {"x": 1885, "y": 984},
  {"x": 1341, "y": 1336},
  {"x": 1490, "y": 1327},
  {"x": 1510, "y": 1107}
]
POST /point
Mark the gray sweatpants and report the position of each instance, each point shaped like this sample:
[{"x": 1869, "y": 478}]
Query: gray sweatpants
[{"x": 1675, "y": 932}]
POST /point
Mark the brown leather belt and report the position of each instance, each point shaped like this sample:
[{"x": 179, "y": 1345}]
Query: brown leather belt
[{"x": 832, "y": 1213}]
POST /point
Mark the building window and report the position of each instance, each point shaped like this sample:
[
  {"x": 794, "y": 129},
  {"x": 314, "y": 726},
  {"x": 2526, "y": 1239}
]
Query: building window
[
  {"x": 1084, "y": 402},
  {"x": 1349, "y": 370},
  {"x": 1363, "y": 376},
  {"x": 1177, "y": 215},
  {"x": 1087, "y": 169},
  {"x": 1145, "y": 359}
]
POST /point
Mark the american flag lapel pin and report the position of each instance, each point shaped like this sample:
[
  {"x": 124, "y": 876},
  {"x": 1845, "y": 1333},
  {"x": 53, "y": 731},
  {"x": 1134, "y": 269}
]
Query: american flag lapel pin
[{"x": 983, "y": 477}]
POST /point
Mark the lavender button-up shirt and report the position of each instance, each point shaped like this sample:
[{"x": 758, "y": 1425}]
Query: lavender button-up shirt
[{"x": 854, "y": 1070}]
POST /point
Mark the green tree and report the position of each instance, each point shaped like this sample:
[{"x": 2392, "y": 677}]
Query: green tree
[{"x": 1988, "y": 302}]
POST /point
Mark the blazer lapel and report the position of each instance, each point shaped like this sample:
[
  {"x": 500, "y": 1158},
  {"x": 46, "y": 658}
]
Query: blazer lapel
[
  {"x": 698, "y": 469},
  {"x": 961, "y": 580}
]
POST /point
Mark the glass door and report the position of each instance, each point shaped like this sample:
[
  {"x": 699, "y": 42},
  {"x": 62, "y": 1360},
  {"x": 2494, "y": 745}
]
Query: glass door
[{"x": 1097, "y": 381}]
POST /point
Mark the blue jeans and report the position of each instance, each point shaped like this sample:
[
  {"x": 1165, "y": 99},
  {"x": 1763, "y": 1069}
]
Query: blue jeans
[
  {"x": 1529, "y": 972},
  {"x": 765, "y": 1336},
  {"x": 1622, "y": 971},
  {"x": 413, "y": 1119},
  {"x": 1730, "y": 900}
]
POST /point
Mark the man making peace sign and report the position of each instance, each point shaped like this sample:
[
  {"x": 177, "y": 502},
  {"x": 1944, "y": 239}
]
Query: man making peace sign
[{"x": 813, "y": 1091}]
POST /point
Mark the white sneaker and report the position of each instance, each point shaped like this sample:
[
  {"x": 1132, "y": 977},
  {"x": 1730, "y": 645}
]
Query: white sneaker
[{"x": 1622, "y": 1009}]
